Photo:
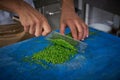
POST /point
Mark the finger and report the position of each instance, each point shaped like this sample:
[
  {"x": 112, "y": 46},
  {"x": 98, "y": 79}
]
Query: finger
[
  {"x": 73, "y": 30},
  {"x": 38, "y": 30},
  {"x": 46, "y": 28},
  {"x": 87, "y": 30},
  {"x": 62, "y": 28},
  {"x": 26, "y": 28},
  {"x": 32, "y": 28},
  {"x": 80, "y": 34},
  {"x": 80, "y": 30},
  {"x": 84, "y": 30}
]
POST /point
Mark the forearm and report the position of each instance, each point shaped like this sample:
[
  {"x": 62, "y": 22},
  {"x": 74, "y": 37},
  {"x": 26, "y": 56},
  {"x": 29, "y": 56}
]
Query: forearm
[
  {"x": 68, "y": 5},
  {"x": 11, "y": 5}
]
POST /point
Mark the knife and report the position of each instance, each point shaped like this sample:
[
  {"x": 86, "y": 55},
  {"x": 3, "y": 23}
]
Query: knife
[{"x": 79, "y": 45}]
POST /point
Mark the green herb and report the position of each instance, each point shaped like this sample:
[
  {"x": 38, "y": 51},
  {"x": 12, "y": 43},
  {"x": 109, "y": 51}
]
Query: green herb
[
  {"x": 54, "y": 54},
  {"x": 59, "y": 52},
  {"x": 62, "y": 43},
  {"x": 92, "y": 33},
  {"x": 69, "y": 34}
]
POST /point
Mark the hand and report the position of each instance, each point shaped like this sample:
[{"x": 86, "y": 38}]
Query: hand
[
  {"x": 33, "y": 21},
  {"x": 69, "y": 18},
  {"x": 78, "y": 28}
]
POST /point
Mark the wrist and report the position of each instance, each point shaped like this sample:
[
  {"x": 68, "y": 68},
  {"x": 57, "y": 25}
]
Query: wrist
[
  {"x": 68, "y": 6},
  {"x": 19, "y": 7}
]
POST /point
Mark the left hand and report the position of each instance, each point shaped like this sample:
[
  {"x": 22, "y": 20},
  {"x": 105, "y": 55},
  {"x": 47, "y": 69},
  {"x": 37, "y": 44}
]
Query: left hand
[{"x": 77, "y": 26}]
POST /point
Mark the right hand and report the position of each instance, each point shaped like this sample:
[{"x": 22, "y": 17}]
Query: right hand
[{"x": 33, "y": 21}]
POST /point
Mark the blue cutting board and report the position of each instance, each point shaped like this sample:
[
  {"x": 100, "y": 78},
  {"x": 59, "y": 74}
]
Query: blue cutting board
[{"x": 100, "y": 61}]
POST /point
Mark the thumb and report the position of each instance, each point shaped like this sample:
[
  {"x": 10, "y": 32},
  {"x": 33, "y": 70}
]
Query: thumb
[{"x": 46, "y": 29}]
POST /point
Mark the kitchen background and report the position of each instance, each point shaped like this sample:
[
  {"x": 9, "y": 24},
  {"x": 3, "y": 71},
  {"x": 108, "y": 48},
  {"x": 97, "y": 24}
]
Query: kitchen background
[
  {"x": 99, "y": 18},
  {"x": 97, "y": 14}
]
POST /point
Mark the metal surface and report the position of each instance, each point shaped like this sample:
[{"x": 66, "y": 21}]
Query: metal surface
[
  {"x": 52, "y": 13},
  {"x": 41, "y": 3},
  {"x": 108, "y": 5}
]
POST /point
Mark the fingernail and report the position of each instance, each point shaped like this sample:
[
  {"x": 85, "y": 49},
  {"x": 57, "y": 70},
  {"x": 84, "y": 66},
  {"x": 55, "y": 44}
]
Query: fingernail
[
  {"x": 82, "y": 39},
  {"x": 87, "y": 36}
]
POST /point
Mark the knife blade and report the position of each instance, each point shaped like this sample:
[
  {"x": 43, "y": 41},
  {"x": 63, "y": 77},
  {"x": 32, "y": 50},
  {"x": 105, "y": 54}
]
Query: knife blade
[{"x": 79, "y": 45}]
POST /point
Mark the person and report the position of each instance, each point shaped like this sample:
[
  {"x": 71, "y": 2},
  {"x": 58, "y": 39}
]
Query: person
[{"x": 36, "y": 23}]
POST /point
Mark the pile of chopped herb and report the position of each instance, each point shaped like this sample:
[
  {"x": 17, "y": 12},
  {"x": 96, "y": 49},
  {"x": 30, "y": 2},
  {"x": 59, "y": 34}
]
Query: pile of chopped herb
[{"x": 59, "y": 52}]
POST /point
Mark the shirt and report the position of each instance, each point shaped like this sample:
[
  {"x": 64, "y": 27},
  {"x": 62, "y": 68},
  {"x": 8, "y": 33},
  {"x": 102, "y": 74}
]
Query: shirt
[{"x": 6, "y": 17}]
